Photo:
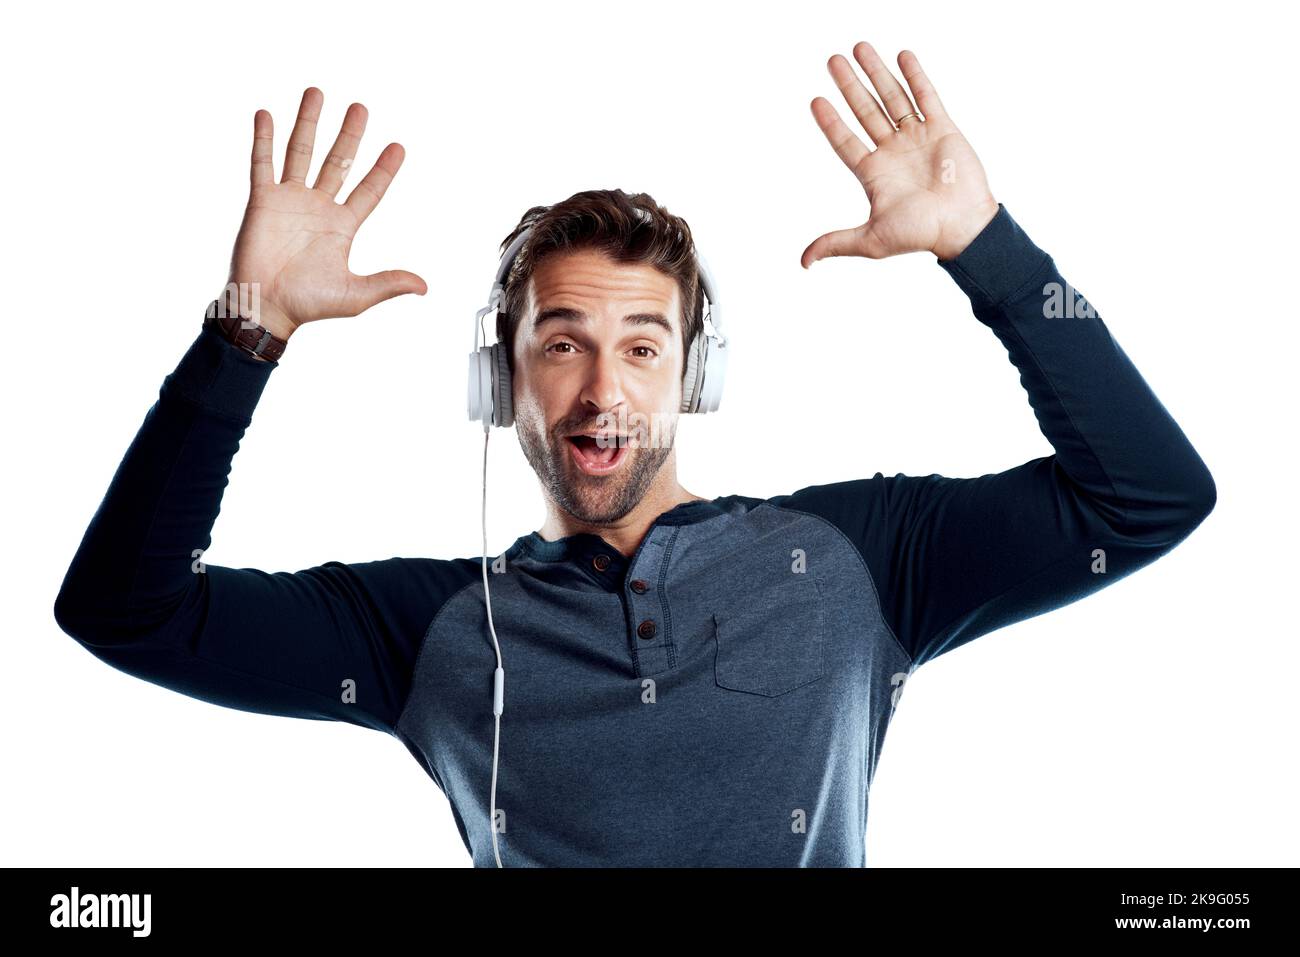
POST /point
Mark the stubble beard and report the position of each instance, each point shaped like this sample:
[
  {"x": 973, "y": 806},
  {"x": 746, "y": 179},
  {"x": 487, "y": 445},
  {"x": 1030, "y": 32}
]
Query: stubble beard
[{"x": 594, "y": 499}]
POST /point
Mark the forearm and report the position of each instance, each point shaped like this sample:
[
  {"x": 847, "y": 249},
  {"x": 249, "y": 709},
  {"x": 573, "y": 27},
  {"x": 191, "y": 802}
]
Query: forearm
[
  {"x": 955, "y": 558},
  {"x": 138, "y": 555},
  {"x": 334, "y": 641},
  {"x": 1113, "y": 438}
]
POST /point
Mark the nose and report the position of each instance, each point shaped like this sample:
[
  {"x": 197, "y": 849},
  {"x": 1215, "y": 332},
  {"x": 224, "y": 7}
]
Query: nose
[{"x": 602, "y": 389}]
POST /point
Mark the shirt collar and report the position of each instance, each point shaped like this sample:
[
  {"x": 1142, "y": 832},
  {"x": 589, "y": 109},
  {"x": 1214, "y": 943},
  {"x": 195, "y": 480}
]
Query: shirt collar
[{"x": 584, "y": 547}]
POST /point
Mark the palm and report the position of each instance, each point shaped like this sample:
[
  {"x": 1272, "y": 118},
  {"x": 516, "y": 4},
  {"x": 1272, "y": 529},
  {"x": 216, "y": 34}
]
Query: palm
[
  {"x": 294, "y": 242},
  {"x": 925, "y": 185},
  {"x": 912, "y": 185},
  {"x": 297, "y": 240}
]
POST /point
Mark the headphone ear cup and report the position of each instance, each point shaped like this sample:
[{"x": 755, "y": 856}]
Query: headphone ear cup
[
  {"x": 690, "y": 381},
  {"x": 714, "y": 370},
  {"x": 480, "y": 385},
  {"x": 503, "y": 409}
]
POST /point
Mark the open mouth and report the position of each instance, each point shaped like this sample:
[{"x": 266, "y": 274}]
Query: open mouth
[{"x": 598, "y": 456}]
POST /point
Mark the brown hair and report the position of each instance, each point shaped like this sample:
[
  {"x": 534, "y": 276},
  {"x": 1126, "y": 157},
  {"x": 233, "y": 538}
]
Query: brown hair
[{"x": 607, "y": 220}]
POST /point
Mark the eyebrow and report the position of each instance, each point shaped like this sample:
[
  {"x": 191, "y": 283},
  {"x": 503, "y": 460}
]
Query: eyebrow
[{"x": 577, "y": 315}]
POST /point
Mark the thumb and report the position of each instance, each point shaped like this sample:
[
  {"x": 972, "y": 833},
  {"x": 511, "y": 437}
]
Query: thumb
[
  {"x": 841, "y": 242},
  {"x": 369, "y": 290}
]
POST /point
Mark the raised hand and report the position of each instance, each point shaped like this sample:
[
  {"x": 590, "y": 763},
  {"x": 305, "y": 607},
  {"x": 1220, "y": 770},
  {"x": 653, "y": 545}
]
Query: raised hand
[
  {"x": 294, "y": 240},
  {"x": 924, "y": 183}
]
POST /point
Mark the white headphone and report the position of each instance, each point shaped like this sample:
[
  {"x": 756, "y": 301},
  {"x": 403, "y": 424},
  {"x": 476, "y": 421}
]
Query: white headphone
[
  {"x": 489, "y": 371},
  {"x": 490, "y": 402}
]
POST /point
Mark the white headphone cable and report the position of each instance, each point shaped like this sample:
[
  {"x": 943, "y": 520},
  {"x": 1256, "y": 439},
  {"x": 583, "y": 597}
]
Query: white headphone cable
[{"x": 499, "y": 677}]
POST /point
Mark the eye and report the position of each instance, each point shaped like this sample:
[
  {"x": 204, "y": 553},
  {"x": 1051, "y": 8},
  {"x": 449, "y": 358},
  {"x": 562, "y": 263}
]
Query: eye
[
  {"x": 649, "y": 348},
  {"x": 555, "y": 344}
]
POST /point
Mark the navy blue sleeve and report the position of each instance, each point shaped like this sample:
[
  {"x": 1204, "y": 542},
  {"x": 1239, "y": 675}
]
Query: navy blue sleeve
[
  {"x": 956, "y": 558},
  {"x": 333, "y": 642}
]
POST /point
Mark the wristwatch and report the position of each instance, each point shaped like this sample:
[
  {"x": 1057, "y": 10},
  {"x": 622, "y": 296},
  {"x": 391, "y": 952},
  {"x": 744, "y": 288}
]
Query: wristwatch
[{"x": 244, "y": 333}]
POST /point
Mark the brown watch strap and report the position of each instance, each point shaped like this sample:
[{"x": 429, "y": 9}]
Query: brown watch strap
[{"x": 245, "y": 334}]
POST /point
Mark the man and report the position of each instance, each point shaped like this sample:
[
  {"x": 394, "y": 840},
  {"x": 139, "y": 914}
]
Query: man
[{"x": 693, "y": 681}]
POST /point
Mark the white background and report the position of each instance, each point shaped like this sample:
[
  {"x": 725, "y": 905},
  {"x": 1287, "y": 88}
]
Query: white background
[{"x": 1146, "y": 147}]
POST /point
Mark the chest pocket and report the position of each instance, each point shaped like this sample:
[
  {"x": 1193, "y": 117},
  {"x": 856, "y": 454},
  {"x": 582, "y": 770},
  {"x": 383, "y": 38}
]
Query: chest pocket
[{"x": 775, "y": 643}]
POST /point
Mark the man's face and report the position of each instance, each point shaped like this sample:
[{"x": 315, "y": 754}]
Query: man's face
[{"x": 598, "y": 336}]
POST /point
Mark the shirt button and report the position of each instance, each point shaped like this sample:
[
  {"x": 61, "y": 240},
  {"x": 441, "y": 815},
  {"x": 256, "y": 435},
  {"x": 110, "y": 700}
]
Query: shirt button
[
  {"x": 646, "y": 629},
  {"x": 601, "y": 562},
  {"x": 639, "y": 586}
]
